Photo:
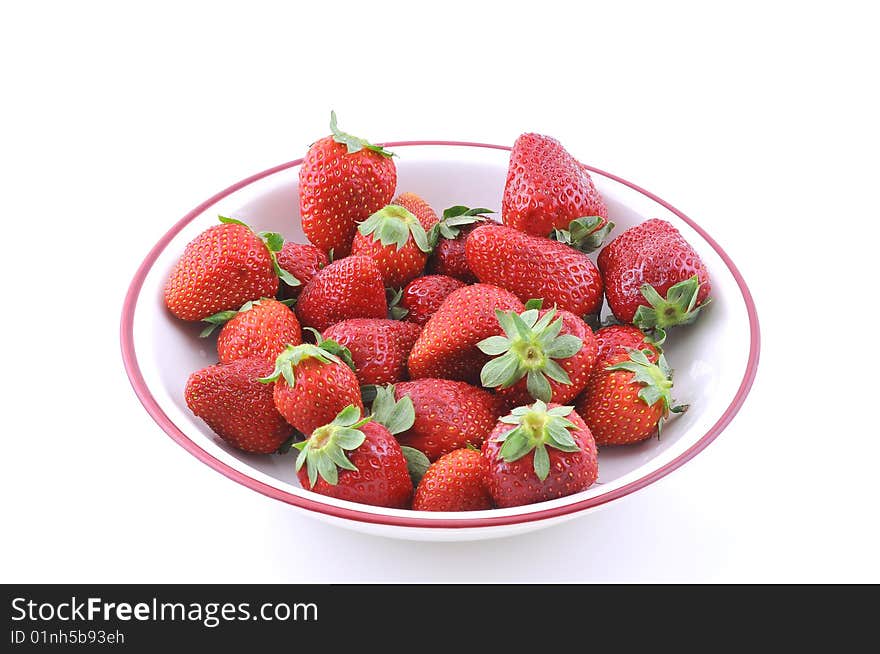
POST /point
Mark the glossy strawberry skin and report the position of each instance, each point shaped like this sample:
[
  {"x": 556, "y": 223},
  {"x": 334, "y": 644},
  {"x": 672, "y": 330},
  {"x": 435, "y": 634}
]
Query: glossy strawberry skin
[
  {"x": 578, "y": 366},
  {"x": 398, "y": 266},
  {"x": 613, "y": 339},
  {"x": 447, "y": 346},
  {"x": 347, "y": 288},
  {"x": 417, "y": 206},
  {"x": 449, "y": 257},
  {"x": 263, "y": 331},
  {"x": 220, "y": 270},
  {"x": 301, "y": 260},
  {"x": 612, "y": 408},
  {"x": 321, "y": 391},
  {"x": 236, "y": 406},
  {"x": 455, "y": 482},
  {"x": 449, "y": 415},
  {"x": 515, "y": 483},
  {"x": 535, "y": 267},
  {"x": 546, "y": 187},
  {"x": 655, "y": 253},
  {"x": 337, "y": 190},
  {"x": 381, "y": 478},
  {"x": 424, "y": 295},
  {"x": 379, "y": 347}
]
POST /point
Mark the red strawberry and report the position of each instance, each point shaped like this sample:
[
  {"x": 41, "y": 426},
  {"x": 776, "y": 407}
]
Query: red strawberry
[
  {"x": 627, "y": 398},
  {"x": 222, "y": 268},
  {"x": 303, "y": 261},
  {"x": 535, "y": 267},
  {"x": 448, "y": 415},
  {"x": 449, "y": 258},
  {"x": 448, "y": 238},
  {"x": 538, "y": 453},
  {"x": 455, "y": 482},
  {"x": 620, "y": 338},
  {"x": 236, "y": 406},
  {"x": 260, "y": 328},
  {"x": 395, "y": 239},
  {"x": 378, "y": 347},
  {"x": 653, "y": 277},
  {"x": 419, "y": 208},
  {"x": 342, "y": 181},
  {"x": 544, "y": 355},
  {"x": 547, "y": 188},
  {"x": 347, "y": 288},
  {"x": 312, "y": 386},
  {"x": 424, "y": 295},
  {"x": 447, "y": 346},
  {"x": 357, "y": 460}
]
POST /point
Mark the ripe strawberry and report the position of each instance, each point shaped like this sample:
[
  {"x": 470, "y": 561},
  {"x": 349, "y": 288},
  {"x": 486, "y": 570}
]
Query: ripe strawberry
[
  {"x": 449, "y": 258},
  {"x": 448, "y": 415},
  {"x": 303, "y": 261},
  {"x": 455, "y": 482},
  {"x": 236, "y": 406},
  {"x": 378, "y": 347},
  {"x": 355, "y": 459},
  {"x": 342, "y": 181},
  {"x": 424, "y": 295},
  {"x": 619, "y": 338},
  {"x": 448, "y": 238},
  {"x": 547, "y": 188},
  {"x": 535, "y": 267},
  {"x": 538, "y": 453},
  {"x": 545, "y": 355},
  {"x": 447, "y": 346},
  {"x": 627, "y": 398},
  {"x": 312, "y": 385},
  {"x": 417, "y": 206},
  {"x": 347, "y": 288},
  {"x": 224, "y": 267},
  {"x": 259, "y": 328},
  {"x": 653, "y": 277},
  {"x": 395, "y": 239}
]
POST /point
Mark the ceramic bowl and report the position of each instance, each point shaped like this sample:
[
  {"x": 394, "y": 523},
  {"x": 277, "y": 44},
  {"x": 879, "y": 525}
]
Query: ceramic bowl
[{"x": 714, "y": 360}]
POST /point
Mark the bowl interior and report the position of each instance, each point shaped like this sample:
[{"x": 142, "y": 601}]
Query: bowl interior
[{"x": 709, "y": 358}]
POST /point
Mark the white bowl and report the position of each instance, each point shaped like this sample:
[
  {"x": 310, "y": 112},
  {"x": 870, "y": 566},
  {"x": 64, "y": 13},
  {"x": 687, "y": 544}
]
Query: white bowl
[{"x": 714, "y": 360}]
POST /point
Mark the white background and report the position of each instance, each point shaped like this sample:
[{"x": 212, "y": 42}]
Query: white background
[{"x": 759, "y": 121}]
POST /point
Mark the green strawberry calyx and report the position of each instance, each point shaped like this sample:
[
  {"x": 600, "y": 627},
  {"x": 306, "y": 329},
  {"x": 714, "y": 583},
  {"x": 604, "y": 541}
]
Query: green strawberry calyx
[
  {"x": 397, "y": 416},
  {"x": 655, "y": 379},
  {"x": 323, "y": 453},
  {"x": 585, "y": 234},
  {"x": 454, "y": 218},
  {"x": 529, "y": 349},
  {"x": 679, "y": 307},
  {"x": 395, "y": 310},
  {"x": 293, "y": 355},
  {"x": 535, "y": 429},
  {"x": 417, "y": 463},
  {"x": 393, "y": 225},
  {"x": 223, "y": 317},
  {"x": 333, "y": 347},
  {"x": 354, "y": 143},
  {"x": 274, "y": 242}
]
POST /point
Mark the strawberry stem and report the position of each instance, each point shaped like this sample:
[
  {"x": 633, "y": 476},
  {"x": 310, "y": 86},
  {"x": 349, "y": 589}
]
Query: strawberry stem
[
  {"x": 679, "y": 307},
  {"x": 535, "y": 428},
  {"x": 529, "y": 350},
  {"x": 585, "y": 234},
  {"x": 354, "y": 143},
  {"x": 323, "y": 453}
]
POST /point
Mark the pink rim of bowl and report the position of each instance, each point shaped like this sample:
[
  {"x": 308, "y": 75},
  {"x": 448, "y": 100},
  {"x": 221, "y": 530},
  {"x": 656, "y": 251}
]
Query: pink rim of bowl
[{"x": 156, "y": 412}]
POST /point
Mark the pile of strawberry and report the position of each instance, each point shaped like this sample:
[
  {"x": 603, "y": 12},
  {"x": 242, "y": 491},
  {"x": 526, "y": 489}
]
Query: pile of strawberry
[{"x": 440, "y": 363}]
